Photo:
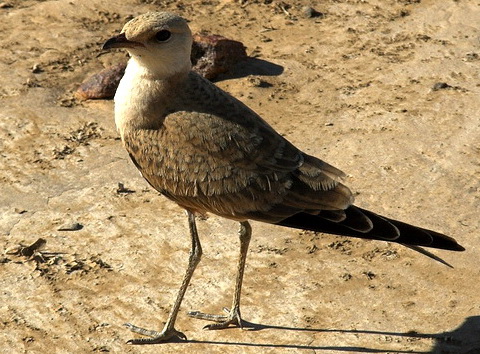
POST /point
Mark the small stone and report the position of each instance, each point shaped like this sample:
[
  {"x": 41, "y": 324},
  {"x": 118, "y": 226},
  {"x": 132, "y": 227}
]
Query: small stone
[
  {"x": 32, "y": 83},
  {"x": 36, "y": 69},
  {"x": 123, "y": 190},
  {"x": 441, "y": 86},
  {"x": 310, "y": 12},
  {"x": 71, "y": 227}
]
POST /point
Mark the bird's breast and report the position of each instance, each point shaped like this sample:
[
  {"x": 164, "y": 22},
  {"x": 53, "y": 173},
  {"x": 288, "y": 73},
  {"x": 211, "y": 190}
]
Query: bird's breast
[{"x": 140, "y": 103}]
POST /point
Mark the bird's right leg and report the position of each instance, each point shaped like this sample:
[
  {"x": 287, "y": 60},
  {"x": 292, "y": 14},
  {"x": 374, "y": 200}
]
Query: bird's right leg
[{"x": 169, "y": 330}]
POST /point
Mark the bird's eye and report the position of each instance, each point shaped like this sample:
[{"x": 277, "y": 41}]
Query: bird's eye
[{"x": 163, "y": 35}]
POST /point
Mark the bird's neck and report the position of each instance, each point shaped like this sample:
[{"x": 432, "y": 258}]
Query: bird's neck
[
  {"x": 158, "y": 68},
  {"x": 142, "y": 99}
]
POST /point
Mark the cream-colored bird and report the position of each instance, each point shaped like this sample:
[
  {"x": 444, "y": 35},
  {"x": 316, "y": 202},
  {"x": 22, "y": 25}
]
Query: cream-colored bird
[{"x": 208, "y": 152}]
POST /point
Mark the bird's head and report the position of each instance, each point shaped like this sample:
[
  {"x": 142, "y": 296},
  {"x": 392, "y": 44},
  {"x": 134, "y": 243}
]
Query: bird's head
[{"x": 160, "y": 42}]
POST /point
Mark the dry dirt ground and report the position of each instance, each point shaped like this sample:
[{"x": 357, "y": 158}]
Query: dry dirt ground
[{"x": 386, "y": 90}]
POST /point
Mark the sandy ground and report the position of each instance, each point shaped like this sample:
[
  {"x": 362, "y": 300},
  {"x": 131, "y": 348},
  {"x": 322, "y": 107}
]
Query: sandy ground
[{"x": 355, "y": 87}]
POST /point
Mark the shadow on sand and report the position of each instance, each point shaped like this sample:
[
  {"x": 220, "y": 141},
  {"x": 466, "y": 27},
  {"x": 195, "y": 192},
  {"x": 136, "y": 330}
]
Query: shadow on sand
[
  {"x": 463, "y": 340},
  {"x": 251, "y": 66}
]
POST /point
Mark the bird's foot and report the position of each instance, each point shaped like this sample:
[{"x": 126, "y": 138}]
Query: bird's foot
[
  {"x": 155, "y": 337},
  {"x": 222, "y": 321}
]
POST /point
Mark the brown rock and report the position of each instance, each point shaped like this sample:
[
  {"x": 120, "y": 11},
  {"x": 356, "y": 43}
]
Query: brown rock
[
  {"x": 101, "y": 85},
  {"x": 214, "y": 54}
]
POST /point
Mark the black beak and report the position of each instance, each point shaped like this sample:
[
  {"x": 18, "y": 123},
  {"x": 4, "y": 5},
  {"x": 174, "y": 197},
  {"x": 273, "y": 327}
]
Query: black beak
[{"x": 120, "y": 41}]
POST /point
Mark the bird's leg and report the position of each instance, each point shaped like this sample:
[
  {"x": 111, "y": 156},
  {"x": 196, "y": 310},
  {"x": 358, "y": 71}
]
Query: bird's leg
[
  {"x": 233, "y": 316},
  {"x": 169, "y": 331}
]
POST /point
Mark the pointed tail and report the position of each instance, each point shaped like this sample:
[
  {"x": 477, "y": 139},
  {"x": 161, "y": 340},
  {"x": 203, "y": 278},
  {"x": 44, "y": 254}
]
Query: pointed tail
[{"x": 368, "y": 225}]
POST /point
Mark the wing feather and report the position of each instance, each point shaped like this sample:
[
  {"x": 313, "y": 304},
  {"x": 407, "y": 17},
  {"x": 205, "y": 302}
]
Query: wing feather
[{"x": 216, "y": 155}]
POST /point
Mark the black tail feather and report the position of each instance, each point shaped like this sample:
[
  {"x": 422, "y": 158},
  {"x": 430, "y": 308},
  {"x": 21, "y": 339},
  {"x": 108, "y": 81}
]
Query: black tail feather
[
  {"x": 382, "y": 226},
  {"x": 383, "y": 229}
]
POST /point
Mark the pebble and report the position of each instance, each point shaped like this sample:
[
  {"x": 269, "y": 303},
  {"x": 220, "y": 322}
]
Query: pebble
[
  {"x": 441, "y": 86},
  {"x": 310, "y": 12},
  {"x": 71, "y": 227},
  {"x": 36, "y": 69}
]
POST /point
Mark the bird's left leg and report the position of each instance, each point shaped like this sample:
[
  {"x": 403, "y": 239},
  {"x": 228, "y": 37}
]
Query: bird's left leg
[{"x": 233, "y": 315}]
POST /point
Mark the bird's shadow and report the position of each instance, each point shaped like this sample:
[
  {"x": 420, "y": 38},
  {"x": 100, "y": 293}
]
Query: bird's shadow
[
  {"x": 464, "y": 339},
  {"x": 251, "y": 66}
]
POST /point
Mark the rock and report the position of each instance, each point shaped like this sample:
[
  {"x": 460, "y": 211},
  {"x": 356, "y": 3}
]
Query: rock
[
  {"x": 310, "y": 12},
  {"x": 71, "y": 227},
  {"x": 441, "y": 86},
  {"x": 36, "y": 69},
  {"x": 123, "y": 190},
  {"x": 214, "y": 54},
  {"x": 101, "y": 85}
]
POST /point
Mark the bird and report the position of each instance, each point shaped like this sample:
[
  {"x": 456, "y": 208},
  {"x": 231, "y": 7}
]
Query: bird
[{"x": 207, "y": 151}]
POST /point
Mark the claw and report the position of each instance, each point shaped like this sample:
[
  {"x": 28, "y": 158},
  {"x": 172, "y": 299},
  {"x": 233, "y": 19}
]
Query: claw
[
  {"x": 155, "y": 337},
  {"x": 222, "y": 321}
]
